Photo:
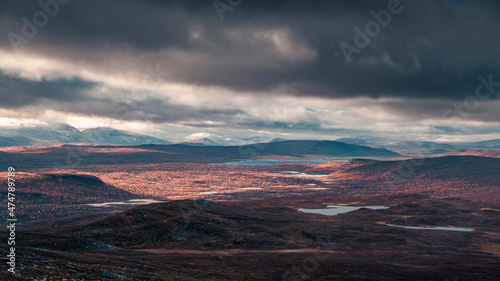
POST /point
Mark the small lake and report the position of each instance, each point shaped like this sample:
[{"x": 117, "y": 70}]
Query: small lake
[
  {"x": 434, "y": 228},
  {"x": 258, "y": 162},
  {"x": 129, "y": 202},
  {"x": 229, "y": 191},
  {"x": 304, "y": 175},
  {"x": 340, "y": 209}
]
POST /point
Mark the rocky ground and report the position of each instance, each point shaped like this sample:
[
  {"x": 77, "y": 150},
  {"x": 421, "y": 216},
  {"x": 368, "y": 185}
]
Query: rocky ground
[{"x": 268, "y": 239}]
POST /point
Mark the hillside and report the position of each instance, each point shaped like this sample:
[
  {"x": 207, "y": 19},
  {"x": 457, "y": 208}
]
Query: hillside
[
  {"x": 440, "y": 175},
  {"x": 398, "y": 145},
  {"x": 48, "y": 196},
  {"x": 440, "y": 167},
  {"x": 112, "y": 136},
  {"x": 71, "y": 155},
  {"x": 315, "y": 147},
  {"x": 14, "y": 141},
  {"x": 187, "y": 224},
  {"x": 67, "y": 189},
  {"x": 489, "y": 144},
  {"x": 203, "y": 239}
]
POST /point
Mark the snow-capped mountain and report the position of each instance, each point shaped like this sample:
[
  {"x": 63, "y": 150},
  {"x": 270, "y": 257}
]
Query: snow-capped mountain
[
  {"x": 59, "y": 132},
  {"x": 392, "y": 144},
  {"x": 63, "y": 133},
  {"x": 217, "y": 140},
  {"x": 211, "y": 139},
  {"x": 398, "y": 145},
  {"x": 113, "y": 136}
]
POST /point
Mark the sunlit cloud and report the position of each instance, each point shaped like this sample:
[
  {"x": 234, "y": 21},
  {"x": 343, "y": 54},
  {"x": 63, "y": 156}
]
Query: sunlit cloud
[{"x": 268, "y": 74}]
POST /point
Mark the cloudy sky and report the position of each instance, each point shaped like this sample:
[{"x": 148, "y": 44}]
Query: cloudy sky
[{"x": 294, "y": 69}]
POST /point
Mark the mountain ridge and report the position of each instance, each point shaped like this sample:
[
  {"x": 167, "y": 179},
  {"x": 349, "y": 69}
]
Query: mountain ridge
[{"x": 63, "y": 133}]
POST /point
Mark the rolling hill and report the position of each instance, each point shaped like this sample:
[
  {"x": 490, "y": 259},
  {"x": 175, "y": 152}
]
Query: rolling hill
[
  {"x": 49, "y": 196},
  {"x": 72, "y": 155},
  {"x": 320, "y": 147}
]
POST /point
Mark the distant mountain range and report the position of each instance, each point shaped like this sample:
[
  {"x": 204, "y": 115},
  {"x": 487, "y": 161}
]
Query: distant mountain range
[
  {"x": 319, "y": 147},
  {"x": 489, "y": 144},
  {"x": 63, "y": 133},
  {"x": 185, "y": 153},
  {"x": 399, "y": 145},
  {"x": 216, "y": 140}
]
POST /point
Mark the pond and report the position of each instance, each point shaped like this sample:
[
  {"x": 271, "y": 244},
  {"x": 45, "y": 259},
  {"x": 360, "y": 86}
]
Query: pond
[
  {"x": 129, "y": 202},
  {"x": 434, "y": 227},
  {"x": 339, "y": 209},
  {"x": 303, "y": 175},
  {"x": 258, "y": 162}
]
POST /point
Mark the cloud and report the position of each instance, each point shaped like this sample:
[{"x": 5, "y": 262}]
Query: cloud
[
  {"x": 430, "y": 49},
  {"x": 269, "y": 62},
  {"x": 17, "y": 92}
]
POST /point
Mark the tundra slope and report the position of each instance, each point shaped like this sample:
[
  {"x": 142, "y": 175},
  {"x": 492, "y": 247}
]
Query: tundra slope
[{"x": 268, "y": 239}]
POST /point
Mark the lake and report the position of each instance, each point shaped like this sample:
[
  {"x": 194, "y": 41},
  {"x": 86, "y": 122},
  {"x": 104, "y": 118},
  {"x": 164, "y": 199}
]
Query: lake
[
  {"x": 129, "y": 202},
  {"x": 258, "y": 162},
  {"x": 434, "y": 227},
  {"x": 304, "y": 175},
  {"x": 339, "y": 209}
]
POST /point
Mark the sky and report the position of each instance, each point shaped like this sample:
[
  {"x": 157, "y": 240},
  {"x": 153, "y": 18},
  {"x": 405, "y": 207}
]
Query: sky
[{"x": 418, "y": 70}]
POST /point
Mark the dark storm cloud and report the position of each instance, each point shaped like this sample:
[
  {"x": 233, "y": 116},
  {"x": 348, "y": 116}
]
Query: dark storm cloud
[
  {"x": 160, "y": 111},
  {"x": 431, "y": 49},
  {"x": 71, "y": 96},
  {"x": 148, "y": 110},
  {"x": 17, "y": 92},
  {"x": 470, "y": 108},
  {"x": 306, "y": 127},
  {"x": 283, "y": 125}
]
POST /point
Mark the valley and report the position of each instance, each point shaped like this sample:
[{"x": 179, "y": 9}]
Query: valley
[
  {"x": 231, "y": 140},
  {"x": 149, "y": 218},
  {"x": 232, "y": 240}
]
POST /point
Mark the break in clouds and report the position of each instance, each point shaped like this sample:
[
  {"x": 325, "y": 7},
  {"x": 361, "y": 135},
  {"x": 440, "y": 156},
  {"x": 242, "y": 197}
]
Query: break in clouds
[{"x": 336, "y": 68}]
